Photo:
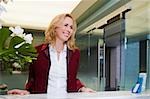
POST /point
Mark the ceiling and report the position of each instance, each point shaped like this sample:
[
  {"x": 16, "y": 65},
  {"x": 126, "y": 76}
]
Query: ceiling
[{"x": 34, "y": 14}]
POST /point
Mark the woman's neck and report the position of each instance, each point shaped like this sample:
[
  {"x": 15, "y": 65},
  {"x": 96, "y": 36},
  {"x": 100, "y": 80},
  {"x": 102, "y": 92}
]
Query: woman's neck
[{"x": 59, "y": 46}]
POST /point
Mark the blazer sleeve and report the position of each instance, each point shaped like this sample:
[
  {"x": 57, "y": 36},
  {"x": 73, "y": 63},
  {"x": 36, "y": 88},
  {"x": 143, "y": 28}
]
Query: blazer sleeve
[
  {"x": 30, "y": 81},
  {"x": 78, "y": 82}
]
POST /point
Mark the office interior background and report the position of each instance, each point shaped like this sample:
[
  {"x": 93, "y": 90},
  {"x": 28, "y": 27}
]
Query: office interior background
[{"x": 113, "y": 37}]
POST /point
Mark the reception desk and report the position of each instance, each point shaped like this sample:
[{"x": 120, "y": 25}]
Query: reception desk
[{"x": 97, "y": 95}]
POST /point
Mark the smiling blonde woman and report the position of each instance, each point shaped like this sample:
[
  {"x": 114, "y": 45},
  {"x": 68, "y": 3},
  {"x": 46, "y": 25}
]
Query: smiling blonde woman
[{"x": 56, "y": 67}]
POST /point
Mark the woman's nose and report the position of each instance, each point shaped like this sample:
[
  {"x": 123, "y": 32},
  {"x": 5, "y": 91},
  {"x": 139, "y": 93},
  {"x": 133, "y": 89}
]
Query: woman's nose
[{"x": 68, "y": 29}]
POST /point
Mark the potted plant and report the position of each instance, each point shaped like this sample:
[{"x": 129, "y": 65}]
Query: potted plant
[{"x": 16, "y": 47}]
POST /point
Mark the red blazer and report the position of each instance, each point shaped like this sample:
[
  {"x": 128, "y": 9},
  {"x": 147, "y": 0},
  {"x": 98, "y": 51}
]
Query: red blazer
[{"x": 39, "y": 71}]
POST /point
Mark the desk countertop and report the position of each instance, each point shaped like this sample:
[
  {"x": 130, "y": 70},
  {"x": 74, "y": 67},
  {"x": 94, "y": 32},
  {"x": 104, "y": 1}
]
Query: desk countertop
[{"x": 97, "y": 95}]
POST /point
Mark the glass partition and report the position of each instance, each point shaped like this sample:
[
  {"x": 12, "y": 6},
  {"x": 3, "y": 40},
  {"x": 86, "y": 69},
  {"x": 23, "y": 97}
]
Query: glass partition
[
  {"x": 137, "y": 29},
  {"x": 148, "y": 65},
  {"x": 88, "y": 44},
  {"x": 122, "y": 74}
]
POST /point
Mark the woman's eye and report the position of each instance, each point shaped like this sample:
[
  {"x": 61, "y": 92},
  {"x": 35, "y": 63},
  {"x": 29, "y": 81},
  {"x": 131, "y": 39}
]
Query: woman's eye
[
  {"x": 71, "y": 27},
  {"x": 66, "y": 24}
]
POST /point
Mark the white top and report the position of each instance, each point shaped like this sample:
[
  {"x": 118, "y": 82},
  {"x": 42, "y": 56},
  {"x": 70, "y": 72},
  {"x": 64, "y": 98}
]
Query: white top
[{"x": 57, "y": 80}]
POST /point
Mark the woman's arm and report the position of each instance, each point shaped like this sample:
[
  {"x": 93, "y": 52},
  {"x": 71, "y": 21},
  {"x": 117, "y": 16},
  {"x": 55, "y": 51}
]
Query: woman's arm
[
  {"x": 82, "y": 87},
  {"x": 18, "y": 92}
]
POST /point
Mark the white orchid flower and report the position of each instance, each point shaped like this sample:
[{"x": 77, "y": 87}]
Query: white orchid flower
[
  {"x": 28, "y": 38},
  {"x": 17, "y": 31}
]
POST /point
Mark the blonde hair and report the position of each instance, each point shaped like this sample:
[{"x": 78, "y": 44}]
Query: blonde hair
[{"x": 50, "y": 36}]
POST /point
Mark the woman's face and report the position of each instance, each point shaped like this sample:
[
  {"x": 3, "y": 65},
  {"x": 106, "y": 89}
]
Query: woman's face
[{"x": 64, "y": 30}]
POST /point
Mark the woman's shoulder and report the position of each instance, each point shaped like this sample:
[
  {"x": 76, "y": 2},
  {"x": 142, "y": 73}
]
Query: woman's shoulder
[
  {"x": 76, "y": 51},
  {"x": 41, "y": 47}
]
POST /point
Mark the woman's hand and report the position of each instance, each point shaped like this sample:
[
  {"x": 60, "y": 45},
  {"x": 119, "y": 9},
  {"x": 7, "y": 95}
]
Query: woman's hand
[
  {"x": 18, "y": 92},
  {"x": 84, "y": 89}
]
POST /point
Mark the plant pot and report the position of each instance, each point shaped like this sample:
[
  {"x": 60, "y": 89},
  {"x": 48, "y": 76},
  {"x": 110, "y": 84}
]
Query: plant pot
[{"x": 3, "y": 89}]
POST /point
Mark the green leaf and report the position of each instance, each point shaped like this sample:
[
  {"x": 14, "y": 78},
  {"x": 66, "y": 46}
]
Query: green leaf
[
  {"x": 27, "y": 50},
  {"x": 6, "y": 51},
  {"x": 4, "y": 34},
  {"x": 15, "y": 41}
]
